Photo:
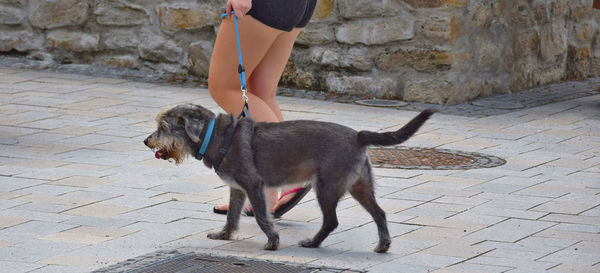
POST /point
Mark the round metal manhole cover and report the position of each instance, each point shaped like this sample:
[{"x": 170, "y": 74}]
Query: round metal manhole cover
[
  {"x": 431, "y": 159},
  {"x": 381, "y": 103}
]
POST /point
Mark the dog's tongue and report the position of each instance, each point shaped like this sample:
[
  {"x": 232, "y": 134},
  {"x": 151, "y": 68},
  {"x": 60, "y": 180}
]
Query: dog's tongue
[{"x": 157, "y": 155}]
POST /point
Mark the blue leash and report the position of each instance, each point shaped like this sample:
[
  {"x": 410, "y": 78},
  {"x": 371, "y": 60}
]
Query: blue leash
[{"x": 241, "y": 70}]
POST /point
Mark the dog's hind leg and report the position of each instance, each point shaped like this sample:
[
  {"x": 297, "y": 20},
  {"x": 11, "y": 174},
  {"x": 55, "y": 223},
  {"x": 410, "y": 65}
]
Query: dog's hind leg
[
  {"x": 364, "y": 193},
  {"x": 328, "y": 198},
  {"x": 236, "y": 202}
]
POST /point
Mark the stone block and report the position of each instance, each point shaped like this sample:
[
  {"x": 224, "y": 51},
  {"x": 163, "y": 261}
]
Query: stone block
[
  {"x": 488, "y": 56},
  {"x": 584, "y": 31},
  {"x": 436, "y": 3},
  {"x": 362, "y": 85},
  {"x": 481, "y": 15},
  {"x": 462, "y": 61},
  {"x": 520, "y": 12},
  {"x": 559, "y": 9},
  {"x": 357, "y": 58},
  {"x": 436, "y": 29},
  {"x": 324, "y": 11},
  {"x": 159, "y": 50},
  {"x": 378, "y": 31},
  {"x": 48, "y": 14},
  {"x": 324, "y": 56},
  {"x": 553, "y": 41},
  {"x": 118, "y": 13},
  {"x": 595, "y": 67},
  {"x": 174, "y": 19},
  {"x": 11, "y": 16},
  {"x": 367, "y": 8},
  {"x": 441, "y": 91},
  {"x": 540, "y": 13},
  {"x": 120, "y": 38},
  {"x": 14, "y": 2},
  {"x": 199, "y": 57},
  {"x": 419, "y": 59},
  {"x": 527, "y": 43},
  {"x": 580, "y": 12},
  {"x": 294, "y": 75},
  {"x": 578, "y": 63},
  {"x": 73, "y": 40},
  {"x": 120, "y": 61},
  {"x": 19, "y": 40},
  {"x": 316, "y": 34},
  {"x": 457, "y": 28}
]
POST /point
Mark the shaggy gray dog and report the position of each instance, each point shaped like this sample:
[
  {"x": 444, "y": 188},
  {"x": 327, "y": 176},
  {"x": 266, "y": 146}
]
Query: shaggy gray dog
[{"x": 250, "y": 156}]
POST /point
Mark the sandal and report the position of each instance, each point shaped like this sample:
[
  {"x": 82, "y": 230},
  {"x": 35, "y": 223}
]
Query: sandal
[
  {"x": 300, "y": 193},
  {"x": 247, "y": 211}
]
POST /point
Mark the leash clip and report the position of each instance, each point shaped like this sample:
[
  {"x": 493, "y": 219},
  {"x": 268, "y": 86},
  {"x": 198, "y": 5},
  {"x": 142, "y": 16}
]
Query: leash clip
[{"x": 244, "y": 96}]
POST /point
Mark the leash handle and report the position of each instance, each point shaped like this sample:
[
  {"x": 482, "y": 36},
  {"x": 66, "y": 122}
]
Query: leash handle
[{"x": 241, "y": 69}]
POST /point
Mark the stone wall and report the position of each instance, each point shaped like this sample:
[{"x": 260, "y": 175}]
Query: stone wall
[{"x": 438, "y": 51}]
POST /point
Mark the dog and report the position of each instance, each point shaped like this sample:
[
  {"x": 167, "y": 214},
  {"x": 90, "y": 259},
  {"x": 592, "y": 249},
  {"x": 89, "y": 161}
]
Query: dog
[{"x": 250, "y": 156}]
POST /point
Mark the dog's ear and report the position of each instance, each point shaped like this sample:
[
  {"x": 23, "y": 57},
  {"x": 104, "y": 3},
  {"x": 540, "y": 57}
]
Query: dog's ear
[{"x": 193, "y": 128}]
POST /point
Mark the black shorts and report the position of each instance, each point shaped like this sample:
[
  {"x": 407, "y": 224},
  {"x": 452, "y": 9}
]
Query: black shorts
[{"x": 283, "y": 14}]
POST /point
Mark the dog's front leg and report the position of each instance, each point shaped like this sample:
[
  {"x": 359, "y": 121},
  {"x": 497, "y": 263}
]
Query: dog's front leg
[
  {"x": 256, "y": 195},
  {"x": 236, "y": 202}
]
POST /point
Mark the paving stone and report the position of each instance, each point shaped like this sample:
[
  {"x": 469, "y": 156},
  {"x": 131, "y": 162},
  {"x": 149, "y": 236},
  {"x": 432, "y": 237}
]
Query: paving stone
[
  {"x": 33, "y": 215},
  {"x": 37, "y": 228},
  {"x": 429, "y": 260},
  {"x": 44, "y": 207},
  {"x": 507, "y": 213},
  {"x": 36, "y": 250},
  {"x": 88, "y": 235},
  {"x": 509, "y": 262},
  {"x": 62, "y": 269},
  {"x": 395, "y": 266},
  {"x": 468, "y": 267},
  {"x": 574, "y": 268},
  {"x": 510, "y": 230},
  {"x": 564, "y": 234},
  {"x": 576, "y": 219},
  {"x": 17, "y": 267},
  {"x": 9, "y": 222},
  {"x": 98, "y": 222},
  {"x": 97, "y": 210}
]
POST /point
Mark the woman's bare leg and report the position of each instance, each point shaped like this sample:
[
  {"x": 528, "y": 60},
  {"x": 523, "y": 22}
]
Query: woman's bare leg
[
  {"x": 264, "y": 80},
  {"x": 256, "y": 39}
]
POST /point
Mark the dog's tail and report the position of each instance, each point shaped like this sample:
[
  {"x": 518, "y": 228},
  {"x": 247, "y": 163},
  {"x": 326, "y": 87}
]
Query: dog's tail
[{"x": 366, "y": 138}]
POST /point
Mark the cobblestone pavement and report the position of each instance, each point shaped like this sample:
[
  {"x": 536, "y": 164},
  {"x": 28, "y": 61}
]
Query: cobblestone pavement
[{"x": 79, "y": 191}]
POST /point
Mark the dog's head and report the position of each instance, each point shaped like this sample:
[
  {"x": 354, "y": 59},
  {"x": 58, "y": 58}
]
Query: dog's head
[{"x": 179, "y": 132}]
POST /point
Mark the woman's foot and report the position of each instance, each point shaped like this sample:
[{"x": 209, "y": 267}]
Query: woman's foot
[{"x": 223, "y": 208}]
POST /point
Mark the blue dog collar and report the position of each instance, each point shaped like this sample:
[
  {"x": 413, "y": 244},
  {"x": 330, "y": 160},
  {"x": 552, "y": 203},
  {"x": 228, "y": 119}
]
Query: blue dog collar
[{"x": 207, "y": 137}]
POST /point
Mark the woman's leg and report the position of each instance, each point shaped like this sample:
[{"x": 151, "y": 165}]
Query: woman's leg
[
  {"x": 256, "y": 40},
  {"x": 264, "y": 80}
]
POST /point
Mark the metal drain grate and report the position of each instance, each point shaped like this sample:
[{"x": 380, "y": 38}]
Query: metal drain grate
[
  {"x": 431, "y": 159},
  {"x": 177, "y": 262},
  {"x": 203, "y": 263}
]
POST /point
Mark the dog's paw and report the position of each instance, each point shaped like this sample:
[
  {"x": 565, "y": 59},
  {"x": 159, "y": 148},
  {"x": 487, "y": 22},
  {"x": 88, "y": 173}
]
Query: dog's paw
[
  {"x": 272, "y": 244},
  {"x": 383, "y": 246},
  {"x": 308, "y": 243},
  {"x": 221, "y": 235}
]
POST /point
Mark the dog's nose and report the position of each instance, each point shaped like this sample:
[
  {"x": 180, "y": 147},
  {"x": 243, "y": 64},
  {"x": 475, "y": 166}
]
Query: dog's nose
[{"x": 146, "y": 141}]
